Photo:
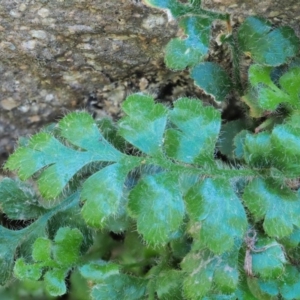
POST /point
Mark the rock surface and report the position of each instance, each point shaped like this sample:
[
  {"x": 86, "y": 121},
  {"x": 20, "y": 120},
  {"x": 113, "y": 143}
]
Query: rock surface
[{"x": 61, "y": 55}]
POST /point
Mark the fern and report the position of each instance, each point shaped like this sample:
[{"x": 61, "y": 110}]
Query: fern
[{"x": 191, "y": 225}]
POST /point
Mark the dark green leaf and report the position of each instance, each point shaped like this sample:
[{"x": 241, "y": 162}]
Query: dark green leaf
[
  {"x": 267, "y": 46},
  {"x": 212, "y": 79},
  {"x": 19, "y": 201}
]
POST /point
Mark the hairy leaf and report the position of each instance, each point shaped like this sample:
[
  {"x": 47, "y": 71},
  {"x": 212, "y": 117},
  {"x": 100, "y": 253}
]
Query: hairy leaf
[
  {"x": 204, "y": 271},
  {"x": 187, "y": 52},
  {"x": 157, "y": 204},
  {"x": 268, "y": 259},
  {"x": 269, "y": 95},
  {"x": 61, "y": 161},
  {"x": 58, "y": 257},
  {"x": 145, "y": 124},
  {"x": 218, "y": 214},
  {"x": 267, "y": 46},
  {"x": 117, "y": 287},
  {"x": 98, "y": 271},
  {"x": 212, "y": 79},
  {"x": 168, "y": 285},
  {"x": 194, "y": 137},
  {"x": 103, "y": 192},
  {"x": 277, "y": 205}
]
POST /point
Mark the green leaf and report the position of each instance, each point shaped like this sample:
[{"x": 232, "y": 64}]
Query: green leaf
[
  {"x": 55, "y": 282},
  {"x": 263, "y": 290},
  {"x": 62, "y": 162},
  {"x": 41, "y": 251},
  {"x": 118, "y": 287},
  {"x": 11, "y": 240},
  {"x": 214, "y": 207},
  {"x": 197, "y": 128},
  {"x": 276, "y": 204},
  {"x": 268, "y": 261},
  {"x": 290, "y": 285},
  {"x": 257, "y": 149},
  {"x": 211, "y": 78},
  {"x": 205, "y": 271},
  {"x": 103, "y": 193},
  {"x": 19, "y": 201},
  {"x": 226, "y": 139},
  {"x": 24, "y": 271},
  {"x": 269, "y": 95},
  {"x": 157, "y": 204},
  {"x": 98, "y": 271},
  {"x": 182, "y": 53},
  {"x": 168, "y": 285},
  {"x": 267, "y": 46},
  {"x": 286, "y": 149},
  {"x": 66, "y": 246},
  {"x": 145, "y": 124}
]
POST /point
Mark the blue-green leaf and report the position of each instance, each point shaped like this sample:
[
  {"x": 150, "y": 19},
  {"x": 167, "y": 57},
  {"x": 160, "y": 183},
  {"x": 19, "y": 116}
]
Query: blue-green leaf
[
  {"x": 145, "y": 124},
  {"x": 216, "y": 213},
  {"x": 212, "y": 79},
  {"x": 98, "y": 271},
  {"x": 182, "y": 53},
  {"x": 268, "y": 259},
  {"x": 157, "y": 204},
  {"x": 267, "y": 46},
  {"x": 276, "y": 204},
  {"x": 194, "y": 137},
  {"x": 103, "y": 193},
  {"x": 205, "y": 271},
  {"x": 55, "y": 282}
]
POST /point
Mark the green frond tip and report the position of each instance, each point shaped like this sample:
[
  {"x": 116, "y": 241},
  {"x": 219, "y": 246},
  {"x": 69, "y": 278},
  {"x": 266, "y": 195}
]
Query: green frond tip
[
  {"x": 157, "y": 205},
  {"x": 216, "y": 213},
  {"x": 182, "y": 53},
  {"x": 194, "y": 134},
  {"x": 61, "y": 163},
  {"x": 267, "y": 46},
  {"x": 144, "y": 124}
]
